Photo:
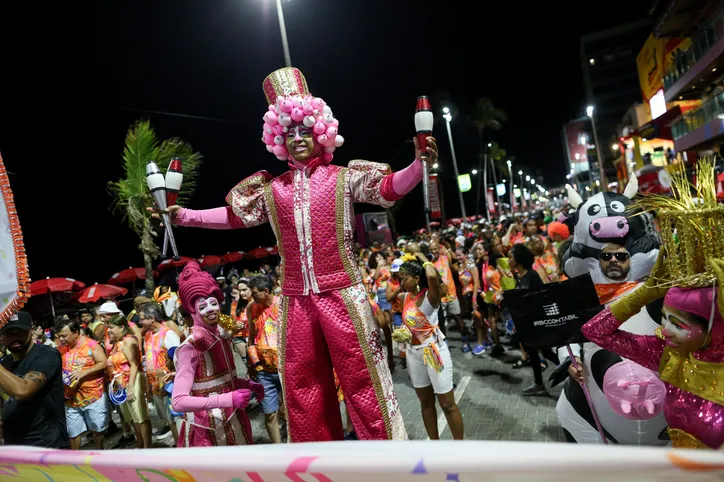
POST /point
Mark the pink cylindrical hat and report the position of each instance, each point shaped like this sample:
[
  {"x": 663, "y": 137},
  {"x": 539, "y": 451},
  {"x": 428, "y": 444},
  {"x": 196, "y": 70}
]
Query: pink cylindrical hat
[{"x": 194, "y": 283}]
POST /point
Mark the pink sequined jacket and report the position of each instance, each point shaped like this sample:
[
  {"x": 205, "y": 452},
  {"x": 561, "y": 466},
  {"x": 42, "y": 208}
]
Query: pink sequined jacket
[
  {"x": 694, "y": 405},
  {"x": 311, "y": 213}
]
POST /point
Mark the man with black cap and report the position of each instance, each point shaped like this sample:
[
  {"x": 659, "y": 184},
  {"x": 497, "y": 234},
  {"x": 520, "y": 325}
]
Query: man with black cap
[{"x": 30, "y": 377}]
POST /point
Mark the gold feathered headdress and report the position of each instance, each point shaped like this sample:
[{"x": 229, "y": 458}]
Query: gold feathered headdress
[{"x": 692, "y": 225}]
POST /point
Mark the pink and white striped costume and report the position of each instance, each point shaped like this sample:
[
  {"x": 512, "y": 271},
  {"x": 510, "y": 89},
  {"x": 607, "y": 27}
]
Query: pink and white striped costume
[
  {"x": 210, "y": 424},
  {"x": 206, "y": 382},
  {"x": 326, "y": 318}
]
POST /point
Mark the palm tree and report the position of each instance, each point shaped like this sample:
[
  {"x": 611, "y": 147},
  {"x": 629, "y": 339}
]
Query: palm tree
[
  {"x": 486, "y": 116},
  {"x": 497, "y": 156},
  {"x": 131, "y": 194}
]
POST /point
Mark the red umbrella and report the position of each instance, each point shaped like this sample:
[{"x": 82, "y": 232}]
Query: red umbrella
[
  {"x": 97, "y": 291},
  {"x": 260, "y": 252},
  {"x": 128, "y": 276},
  {"x": 209, "y": 260},
  {"x": 169, "y": 263},
  {"x": 233, "y": 257},
  {"x": 274, "y": 250},
  {"x": 54, "y": 285}
]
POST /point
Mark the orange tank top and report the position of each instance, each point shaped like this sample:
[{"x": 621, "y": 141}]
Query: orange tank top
[
  {"x": 466, "y": 280},
  {"x": 266, "y": 325},
  {"x": 443, "y": 268},
  {"x": 396, "y": 305},
  {"x": 415, "y": 320},
  {"x": 117, "y": 363},
  {"x": 155, "y": 358},
  {"x": 242, "y": 321},
  {"x": 89, "y": 389}
]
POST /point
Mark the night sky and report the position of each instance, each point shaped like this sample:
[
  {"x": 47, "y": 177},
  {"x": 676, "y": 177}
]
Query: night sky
[{"x": 206, "y": 60}]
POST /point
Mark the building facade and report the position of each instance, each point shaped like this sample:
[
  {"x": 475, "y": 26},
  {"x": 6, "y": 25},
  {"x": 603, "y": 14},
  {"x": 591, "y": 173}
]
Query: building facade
[{"x": 608, "y": 62}]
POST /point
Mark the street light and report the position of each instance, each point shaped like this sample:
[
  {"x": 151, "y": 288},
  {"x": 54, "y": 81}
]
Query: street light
[
  {"x": 522, "y": 198},
  {"x": 589, "y": 113},
  {"x": 527, "y": 178},
  {"x": 448, "y": 117},
  {"x": 475, "y": 171},
  {"x": 512, "y": 194},
  {"x": 283, "y": 31}
]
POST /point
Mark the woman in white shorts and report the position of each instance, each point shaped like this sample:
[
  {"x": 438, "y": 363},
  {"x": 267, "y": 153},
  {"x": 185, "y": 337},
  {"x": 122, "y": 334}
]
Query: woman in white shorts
[{"x": 428, "y": 358}]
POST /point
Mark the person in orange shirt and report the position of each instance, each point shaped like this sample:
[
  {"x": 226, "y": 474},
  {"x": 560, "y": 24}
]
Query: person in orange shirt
[
  {"x": 84, "y": 365},
  {"x": 441, "y": 258},
  {"x": 263, "y": 315},
  {"x": 240, "y": 299},
  {"x": 394, "y": 288},
  {"x": 156, "y": 343},
  {"x": 125, "y": 374}
]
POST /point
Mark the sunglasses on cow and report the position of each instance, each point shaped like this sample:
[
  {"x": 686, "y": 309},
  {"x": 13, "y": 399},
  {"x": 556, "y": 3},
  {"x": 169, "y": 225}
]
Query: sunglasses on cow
[{"x": 621, "y": 257}]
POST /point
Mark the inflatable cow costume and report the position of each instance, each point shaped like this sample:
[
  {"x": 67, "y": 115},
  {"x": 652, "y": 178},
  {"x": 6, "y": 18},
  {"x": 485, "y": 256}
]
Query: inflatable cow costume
[{"x": 627, "y": 397}]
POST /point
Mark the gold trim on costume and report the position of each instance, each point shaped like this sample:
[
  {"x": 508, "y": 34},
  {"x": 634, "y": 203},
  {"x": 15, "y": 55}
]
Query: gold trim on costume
[
  {"x": 274, "y": 221},
  {"x": 282, "y": 350},
  {"x": 369, "y": 358},
  {"x": 283, "y": 82},
  {"x": 684, "y": 440},
  {"x": 339, "y": 211},
  {"x": 703, "y": 379}
]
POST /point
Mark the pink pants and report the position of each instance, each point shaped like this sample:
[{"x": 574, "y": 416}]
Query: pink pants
[{"x": 337, "y": 329}]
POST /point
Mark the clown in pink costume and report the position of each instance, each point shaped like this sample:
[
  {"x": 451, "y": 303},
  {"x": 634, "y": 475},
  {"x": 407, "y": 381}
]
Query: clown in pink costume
[
  {"x": 326, "y": 319},
  {"x": 206, "y": 387},
  {"x": 688, "y": 355}
]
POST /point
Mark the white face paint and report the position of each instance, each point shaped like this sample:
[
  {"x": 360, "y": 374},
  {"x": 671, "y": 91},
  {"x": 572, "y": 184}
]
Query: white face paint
[
  {"x": 680, "y": 331},
  {"x": 208, "y": 309}
]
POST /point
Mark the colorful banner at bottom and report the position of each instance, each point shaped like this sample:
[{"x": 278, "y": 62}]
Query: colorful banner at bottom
[{"x": 366, "y": 461}]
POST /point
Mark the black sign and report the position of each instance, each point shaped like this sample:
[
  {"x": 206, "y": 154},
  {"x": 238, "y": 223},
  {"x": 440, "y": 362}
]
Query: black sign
[{"x": 552, "y": 316}]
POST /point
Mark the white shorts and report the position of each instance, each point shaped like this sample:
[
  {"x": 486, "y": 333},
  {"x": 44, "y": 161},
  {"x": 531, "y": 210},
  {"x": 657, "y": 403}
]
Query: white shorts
[
  {"x": 93, "y": 417},
  {"x": 452, "y": 308},
  {"x": 422, "y": 376}
]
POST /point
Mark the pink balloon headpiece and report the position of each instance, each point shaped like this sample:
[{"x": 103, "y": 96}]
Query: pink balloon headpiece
[
  {"x": 290, "y": 103},
  {"x": 194, "y": 283}
]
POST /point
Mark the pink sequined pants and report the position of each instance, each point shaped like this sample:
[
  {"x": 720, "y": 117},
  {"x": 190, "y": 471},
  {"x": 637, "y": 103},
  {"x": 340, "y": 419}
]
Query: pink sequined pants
[{"x": 337, "y": 329}]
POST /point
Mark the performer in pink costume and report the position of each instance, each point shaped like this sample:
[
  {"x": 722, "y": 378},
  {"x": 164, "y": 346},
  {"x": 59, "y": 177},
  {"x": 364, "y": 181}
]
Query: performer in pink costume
[
  {"x": 688, "y": 355},
  {"x": 326, "y": 318},
  {"x": 206, "y": 387}
]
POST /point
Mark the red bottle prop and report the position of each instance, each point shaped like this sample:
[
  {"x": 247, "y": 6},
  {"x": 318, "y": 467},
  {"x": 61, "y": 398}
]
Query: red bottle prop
[
  {"x": 423, "y": 126},
  {"x": 174, "y": 179},
  {"x": 423, "y": 122}
]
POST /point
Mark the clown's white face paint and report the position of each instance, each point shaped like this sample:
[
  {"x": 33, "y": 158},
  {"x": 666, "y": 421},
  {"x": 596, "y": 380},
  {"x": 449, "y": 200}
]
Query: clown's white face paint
[
  {"x": 300, "y": 143},
  {"x": 208, "y": 310},
  {"x": 682, "y": 331}
]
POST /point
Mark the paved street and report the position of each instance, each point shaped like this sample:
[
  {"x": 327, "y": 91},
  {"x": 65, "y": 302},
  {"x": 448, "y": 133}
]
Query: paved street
[{"x": 488, "y": 391}]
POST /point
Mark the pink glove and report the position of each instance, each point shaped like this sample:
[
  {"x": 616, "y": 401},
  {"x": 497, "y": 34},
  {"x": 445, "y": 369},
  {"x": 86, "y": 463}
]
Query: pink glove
[
  {"x": 257, "y": 388},
  {"x": 240, "y": 398}
]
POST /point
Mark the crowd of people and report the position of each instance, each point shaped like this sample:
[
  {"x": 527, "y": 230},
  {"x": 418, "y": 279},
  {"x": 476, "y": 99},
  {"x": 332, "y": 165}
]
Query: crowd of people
[{"x": 329, "y": 323}]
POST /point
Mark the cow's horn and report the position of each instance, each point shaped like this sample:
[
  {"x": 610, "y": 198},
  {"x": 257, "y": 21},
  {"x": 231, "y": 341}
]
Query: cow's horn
[
  {"x": 574, "y": 198},
  {"x": 632, "y": 187}
]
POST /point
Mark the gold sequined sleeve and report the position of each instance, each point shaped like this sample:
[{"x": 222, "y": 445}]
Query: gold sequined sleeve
[
  {"x": 371, "y": 183},
  {"x": 247, "y": 199}
]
